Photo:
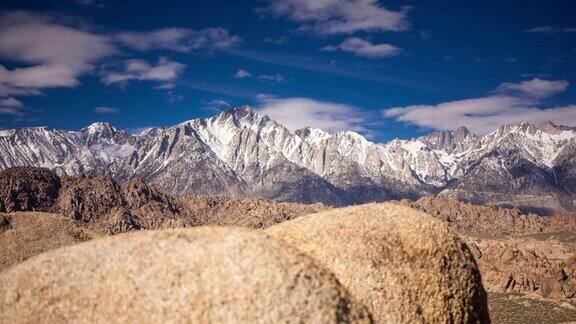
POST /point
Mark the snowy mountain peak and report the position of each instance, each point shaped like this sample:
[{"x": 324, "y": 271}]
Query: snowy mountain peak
[
  {"x": 312, "y": 135},
  {"x": 99, "y": 128},
  {"x": 551, "y": 128},
  {"x": 238, "y": 112},
  {"x": 450, "y": 141}
]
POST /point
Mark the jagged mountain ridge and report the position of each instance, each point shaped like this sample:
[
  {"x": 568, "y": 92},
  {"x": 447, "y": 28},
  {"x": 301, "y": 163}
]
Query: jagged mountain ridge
[{"x": 240, "y": 152}]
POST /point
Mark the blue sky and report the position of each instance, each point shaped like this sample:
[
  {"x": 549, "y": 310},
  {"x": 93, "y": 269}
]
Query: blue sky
[{"x": 386, "y": 69}]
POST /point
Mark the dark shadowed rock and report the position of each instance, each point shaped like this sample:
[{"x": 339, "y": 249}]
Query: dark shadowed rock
[{"x": 28, "y": 189}]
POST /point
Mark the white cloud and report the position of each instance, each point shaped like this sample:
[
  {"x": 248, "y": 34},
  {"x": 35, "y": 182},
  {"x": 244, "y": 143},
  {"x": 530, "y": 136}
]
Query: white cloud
[
  {"x": 535, "y": 88},
  {"x": 8, "y": 90},
  {"x": 11, "y": 106},
  {"x": 217, "y": 104},
  {"x": 165, "y": 71},
  {"x": 361, "y": 47},
  {"x": 551, "y": 30},
  {"x": 58, "y": 54},
  {"x": 106, "y": 110},
  {"x": 11, "y": 102},
  {"x": 296, "y": 113},
  {"x": 265, "y": 97},
  {"x": 482, "y": 115},
  {"x": 241, "y": 74},
  {"x": 11, "y": 111},
  {"x": 272, "y": 78},
  {"x": 179, "y": 39},
  {"x": 340, "y": 16},
  {"x": 92, "y": 3},
  {"x": 40, "y": 39},
  {"x": 39, "y": 76}
]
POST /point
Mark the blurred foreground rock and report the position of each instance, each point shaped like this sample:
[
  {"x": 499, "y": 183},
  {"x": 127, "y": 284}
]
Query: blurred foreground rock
[
  {"x": 202, "y": 275},
  {"x": 404, "y": 265}
]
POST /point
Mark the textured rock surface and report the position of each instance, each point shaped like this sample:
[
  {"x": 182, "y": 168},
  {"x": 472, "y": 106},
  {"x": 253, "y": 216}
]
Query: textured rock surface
[
  {"x": 247, "y": 212},
  {"x": 403, "y": 264},
  {"x": 195, "y": 275},
  {"x": 527, "y": 265},
  {"x": 25, "y": 234},
  {"x": 27, "y": 188}
]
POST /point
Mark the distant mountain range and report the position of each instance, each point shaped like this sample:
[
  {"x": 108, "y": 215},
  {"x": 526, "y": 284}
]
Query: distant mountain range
[{"x": 240, "y": 152}]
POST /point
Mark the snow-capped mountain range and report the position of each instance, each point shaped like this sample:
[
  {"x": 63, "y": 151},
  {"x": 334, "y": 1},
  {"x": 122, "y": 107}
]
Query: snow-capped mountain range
[{"x": 240, "y": 152}]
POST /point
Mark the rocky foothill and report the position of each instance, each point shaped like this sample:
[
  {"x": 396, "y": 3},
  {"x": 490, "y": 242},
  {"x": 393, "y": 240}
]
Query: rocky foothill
[{"x": 101, "y": 204}]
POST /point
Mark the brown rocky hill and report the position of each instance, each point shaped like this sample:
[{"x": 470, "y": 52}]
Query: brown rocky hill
[
  {"x": 98, "y": 205},
  {"x": 28, "y": 189},
  {"x": 101, "y": 204},
  {"x": 490, "y": 220}
]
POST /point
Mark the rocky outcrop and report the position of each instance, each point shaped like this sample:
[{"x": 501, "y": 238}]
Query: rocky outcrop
[
  {"x": 27, "y": 189},
  {"x": 403, "y": 264},
  {"x": 99, "y": 203},
  {"x": 527, "y": 265},
  {"x": 202, "y": 275}
]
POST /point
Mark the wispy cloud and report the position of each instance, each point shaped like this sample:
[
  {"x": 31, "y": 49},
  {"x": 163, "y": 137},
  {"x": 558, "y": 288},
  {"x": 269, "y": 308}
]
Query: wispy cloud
[
  {"x": 339, "y": 16},
  {"x": 242, "y": 74},
  {"x": 92, "y": 3},
  {"x": 11, "y": 106},
  {"x": 272, "y": 78},
  {"x": 280, "y": 40},
  {"x": 164, "y": 71},
  {"x": 11, "y": 102},
  {"x": 361, "y": 47},
  {"x": 535, "y": 88},
  {"x": 551, "y": 30},
  {"x": 59, "y": 52},
  {"x": 314, "y": 65},
  {"x": 298, "y": 112},
  {"x": 511, "y": 103},
  {"x": 106, "y": 110},
  {"x": 179, "y": 39},
  {"x": 217, "y": 104}
]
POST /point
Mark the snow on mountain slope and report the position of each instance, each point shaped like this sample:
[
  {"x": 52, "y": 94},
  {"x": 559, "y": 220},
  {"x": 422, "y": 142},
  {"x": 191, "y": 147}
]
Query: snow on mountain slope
[{"x": 241, "y": 152}]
